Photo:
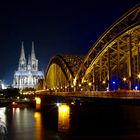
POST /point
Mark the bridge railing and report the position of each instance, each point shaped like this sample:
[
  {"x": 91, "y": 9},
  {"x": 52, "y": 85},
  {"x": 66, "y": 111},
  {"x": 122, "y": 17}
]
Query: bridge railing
[{"x": 103, "y": 94}]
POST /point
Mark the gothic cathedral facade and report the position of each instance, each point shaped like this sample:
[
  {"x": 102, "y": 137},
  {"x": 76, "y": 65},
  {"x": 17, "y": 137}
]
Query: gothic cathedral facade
[{"x": 27, "y": 74}]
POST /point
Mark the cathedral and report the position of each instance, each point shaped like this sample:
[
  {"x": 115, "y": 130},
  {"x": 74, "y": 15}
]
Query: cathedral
[{"x": 27, "y": 74}]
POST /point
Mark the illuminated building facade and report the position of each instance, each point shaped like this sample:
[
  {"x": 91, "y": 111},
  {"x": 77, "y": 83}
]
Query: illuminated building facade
[{"x": 27, "y": 74}]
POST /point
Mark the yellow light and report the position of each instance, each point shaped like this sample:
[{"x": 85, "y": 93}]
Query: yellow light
[
  {"x": 103, "y": 82},
  {"x": 37, "y": 126},
  {"x": 124, "y": 79},
  {"x": 79, "y": 85},
  {"x": 63, "y": 109},
  {"x": 139, "y": 76},
  {"x": 38, "y": 100},
  {"x": 36, "y": 115},
  {"x": 90, "y": 84},
  {"x": 63, "y": 117}
]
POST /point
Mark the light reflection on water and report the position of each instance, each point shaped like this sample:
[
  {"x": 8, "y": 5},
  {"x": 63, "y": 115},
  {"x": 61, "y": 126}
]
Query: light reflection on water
[
  {"x": 3, "y": 127},
  {"x": 27, "y": 124},
  {"x": 38, "y": 127},
  {"x": 2, "y": 114}
]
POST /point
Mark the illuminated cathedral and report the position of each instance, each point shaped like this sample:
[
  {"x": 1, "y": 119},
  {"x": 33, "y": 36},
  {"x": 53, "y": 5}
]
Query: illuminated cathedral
[{"x": 27, "y": 74}]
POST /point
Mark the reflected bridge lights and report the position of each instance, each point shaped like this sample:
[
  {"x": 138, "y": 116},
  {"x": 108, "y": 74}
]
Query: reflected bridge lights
[{"x": 63, "y": 117}]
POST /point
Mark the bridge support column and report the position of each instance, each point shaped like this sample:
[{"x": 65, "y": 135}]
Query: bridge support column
[
  {"x": 138, "y": 64},
  {"x": 118, "y": 65},
  {"x": 108, "y": 70},
  {"x": 130, "y": 63},
  {"x": 100, "y": 78},
  {"x": 38, "y": 103},
  {"x": 93, "y": 80},
  {"x": 63, "y": 117}
]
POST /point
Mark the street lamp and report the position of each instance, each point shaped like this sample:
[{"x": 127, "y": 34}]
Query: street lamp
[
  {"x": 139, "y": 75},
  {"x": 89, "y": 83},
  {"x": 124, "y": 79}
]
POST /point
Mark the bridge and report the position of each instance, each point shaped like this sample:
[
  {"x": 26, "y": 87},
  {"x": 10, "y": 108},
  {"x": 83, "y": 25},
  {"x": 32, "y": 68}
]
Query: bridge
[{"x": 111, "y": 68}]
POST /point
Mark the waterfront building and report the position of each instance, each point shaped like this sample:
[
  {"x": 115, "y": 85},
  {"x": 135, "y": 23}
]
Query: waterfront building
[
  {"x": 27, "y": 74},
  {"x": 2, "y": 85}
]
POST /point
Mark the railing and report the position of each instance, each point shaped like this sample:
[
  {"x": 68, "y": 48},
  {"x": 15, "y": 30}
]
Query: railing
[{"x": 123, "y": 94}]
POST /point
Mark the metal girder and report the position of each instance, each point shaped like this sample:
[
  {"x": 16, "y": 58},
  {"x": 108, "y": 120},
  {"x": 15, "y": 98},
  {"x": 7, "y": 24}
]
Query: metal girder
[{"x": 119, "y": 58}]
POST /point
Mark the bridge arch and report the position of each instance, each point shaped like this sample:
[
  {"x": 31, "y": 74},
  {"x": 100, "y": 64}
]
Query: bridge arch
[
  {"x": 115, "y": 55},
  {"x": 61, "y": 71}
]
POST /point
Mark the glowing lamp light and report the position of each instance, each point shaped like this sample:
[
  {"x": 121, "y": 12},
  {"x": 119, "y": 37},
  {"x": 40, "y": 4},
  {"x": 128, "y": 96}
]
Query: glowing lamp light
[
  {"x": 124, "y": 79},
  {"x": 107, "y": 89},
  {"x": 90, "y": 84},
  {"x": 57, "y": 104},
  {"x": 136, "y": 87},
  {"x": 104, "y": 82},
  {"x": 38, "y": 100},
  {"x": 114, "y": 82},
  {"x": 139, "y": 76}
]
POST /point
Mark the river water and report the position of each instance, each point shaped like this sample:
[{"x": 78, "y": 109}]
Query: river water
[{"x": 72, "y": 123}]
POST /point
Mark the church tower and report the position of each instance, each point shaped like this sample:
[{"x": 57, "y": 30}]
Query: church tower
[
  {"x": 29, "y": 63},
  {"x": 22, "y": 59},
  {"x": 34, "y": 61},
  {"x": 27, "y": 74}
]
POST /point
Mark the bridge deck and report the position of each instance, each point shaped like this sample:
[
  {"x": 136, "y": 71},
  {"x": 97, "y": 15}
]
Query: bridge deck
[{"x": 122, "y": 94}]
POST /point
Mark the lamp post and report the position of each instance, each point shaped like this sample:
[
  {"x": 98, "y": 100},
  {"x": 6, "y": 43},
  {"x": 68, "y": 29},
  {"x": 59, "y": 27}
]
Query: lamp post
[
  {"x": 89, "y": 84},
  {"x": 124, "y": 81}
]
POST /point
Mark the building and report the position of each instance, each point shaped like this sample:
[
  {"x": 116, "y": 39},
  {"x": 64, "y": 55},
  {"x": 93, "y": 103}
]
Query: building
[
  {"x": 2, "y": 85},
  {"x": 27, "y": 74}
]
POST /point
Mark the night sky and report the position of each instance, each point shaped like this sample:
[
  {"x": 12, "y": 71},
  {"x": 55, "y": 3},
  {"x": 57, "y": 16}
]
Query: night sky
[{"x": 55, "y": 26}]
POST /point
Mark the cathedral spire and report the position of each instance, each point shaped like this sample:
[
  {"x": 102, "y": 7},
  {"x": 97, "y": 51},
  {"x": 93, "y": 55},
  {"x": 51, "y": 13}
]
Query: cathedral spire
[
  {"x": 22, "y": 59},
  {"x": 33, "y": 52},
  {"x": 22, "y": 54}
]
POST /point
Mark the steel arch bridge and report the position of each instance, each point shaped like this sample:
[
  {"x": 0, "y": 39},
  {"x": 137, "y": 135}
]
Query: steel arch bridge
[{"x": 112, "y": 63}]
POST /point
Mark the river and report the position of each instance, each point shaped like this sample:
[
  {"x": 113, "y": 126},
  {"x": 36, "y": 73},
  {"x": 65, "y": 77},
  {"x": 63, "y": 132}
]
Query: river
[{"x": 72, "y": 123}]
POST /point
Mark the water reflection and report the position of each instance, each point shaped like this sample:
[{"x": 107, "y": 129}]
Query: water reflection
[
  {"x": 38, "y": 126},
  {"x": 21, "y": 123},
  {"x": 63, "y": 117},
  {"x": 3, "y": 128},
  {"x": 82, "y": 122}
]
